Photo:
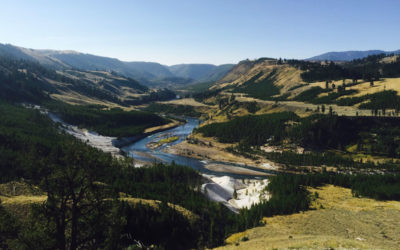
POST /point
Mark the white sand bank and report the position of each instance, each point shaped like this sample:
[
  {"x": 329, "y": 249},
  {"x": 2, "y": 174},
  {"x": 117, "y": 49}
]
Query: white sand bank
[
  {"x": 221, "y": 189},
  {"x": 93, "y": 139}
]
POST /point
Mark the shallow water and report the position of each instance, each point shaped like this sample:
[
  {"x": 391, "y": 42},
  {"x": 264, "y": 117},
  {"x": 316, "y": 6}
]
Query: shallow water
[{"x": 138, "y": 150}]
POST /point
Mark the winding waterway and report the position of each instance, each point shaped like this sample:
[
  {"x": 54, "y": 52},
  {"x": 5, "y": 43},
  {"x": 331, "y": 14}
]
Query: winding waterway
[{"x": 138, "y": 150}]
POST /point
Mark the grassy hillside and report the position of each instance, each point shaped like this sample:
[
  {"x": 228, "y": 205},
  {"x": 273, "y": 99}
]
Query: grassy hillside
[
  {"x": 367, "y": 87},
  {"x": 339, "y": 221},
  {"x": 285, "y": 76}
]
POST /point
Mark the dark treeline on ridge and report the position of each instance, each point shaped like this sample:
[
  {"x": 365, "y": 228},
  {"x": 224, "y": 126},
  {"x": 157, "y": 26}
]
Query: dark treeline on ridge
[{"x": 368, "y": 68}]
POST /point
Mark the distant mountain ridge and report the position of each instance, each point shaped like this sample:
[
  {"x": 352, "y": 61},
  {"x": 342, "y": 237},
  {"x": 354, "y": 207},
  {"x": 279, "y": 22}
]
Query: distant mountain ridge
[
  {"x": 201, "y": 72},
  {"x": 148, "y": 73},
  {"x": 349, "y": 55}
]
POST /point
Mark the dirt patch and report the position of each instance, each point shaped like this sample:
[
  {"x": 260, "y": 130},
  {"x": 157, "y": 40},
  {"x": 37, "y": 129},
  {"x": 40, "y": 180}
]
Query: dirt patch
[{"x": 205, "y": 152}]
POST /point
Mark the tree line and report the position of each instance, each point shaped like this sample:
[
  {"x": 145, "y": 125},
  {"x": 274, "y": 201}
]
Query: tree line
[
  {"x": 371, "y": 135},
  {"x": 369, "y": 69}
]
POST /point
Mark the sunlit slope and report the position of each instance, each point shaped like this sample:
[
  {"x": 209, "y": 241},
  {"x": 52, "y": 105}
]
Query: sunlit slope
[
  {"x": 254, "y": 72},
  {"x": 338, "y": 221},
  {"x": 17, "y": 197},
  {"x": 280, "y": 80}
]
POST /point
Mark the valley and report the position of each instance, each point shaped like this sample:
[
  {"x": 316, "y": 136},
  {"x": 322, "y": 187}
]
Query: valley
[
  {"x": 270, "y": 147},
  {"x": 183, "y": 125}
]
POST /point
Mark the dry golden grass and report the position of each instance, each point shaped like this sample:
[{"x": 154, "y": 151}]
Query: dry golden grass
[
  {"x": 168, "y": 140},
  {"x": 301, "y": 108},
  {"x": 235, "y": 74},
  {"x": 17, "y": 197},
  {"x": 390, "y": 59},
  {"x": 363, "y": 87},
  {"x": 332, "y": 197},
  {"x": 286, "y": 76},
  {"x": 19, "y": 202},
  {"x": 20, "y": 205},
  {"x": 343, "y": 222},
  {"x": 22, "y": 199},
  {"x": 186, "y": 102},
  {"x": 155, "y": 204},
  {"x": 163, "y": 127},
  {"x": 78, "y": 99},
  {"x": 384, "y": 84}
]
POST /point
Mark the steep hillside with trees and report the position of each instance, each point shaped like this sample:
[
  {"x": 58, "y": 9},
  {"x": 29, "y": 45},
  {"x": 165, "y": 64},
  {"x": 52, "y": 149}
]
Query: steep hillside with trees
[{"x": 26, "y": 81}]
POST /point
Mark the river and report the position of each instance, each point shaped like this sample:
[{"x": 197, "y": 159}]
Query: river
[{"x": 138, "y": 150}]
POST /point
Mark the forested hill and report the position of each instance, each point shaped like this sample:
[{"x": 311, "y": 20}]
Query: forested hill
[
  {"x": 316, "y": 82},
  {"x": 147, "y": 73},
  {"x": 27, "y": 81},
  {"x": 262, "y": 78}
]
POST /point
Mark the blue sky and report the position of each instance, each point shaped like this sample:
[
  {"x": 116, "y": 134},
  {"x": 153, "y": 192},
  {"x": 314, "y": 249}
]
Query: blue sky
[{"x": 201, "y": 31}]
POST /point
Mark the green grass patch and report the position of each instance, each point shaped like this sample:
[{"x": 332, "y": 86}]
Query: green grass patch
[{"x": 168, "y": 140}]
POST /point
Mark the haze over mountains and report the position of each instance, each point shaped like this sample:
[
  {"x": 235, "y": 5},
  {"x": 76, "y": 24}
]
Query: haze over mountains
[
  {"x": 148, "y": 73},
  {"x": 349, "y": 55}
]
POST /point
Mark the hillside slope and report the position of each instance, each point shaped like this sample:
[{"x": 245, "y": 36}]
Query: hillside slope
[
  {"x": 148, "y": 73},
  {"x": 262, "y": 78},
  {"x": 200, "y": 72},
  {"x": 339, "y": 221},
  {"x": 26, "y": 81},
  {"x": 315, "y": 82}
]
